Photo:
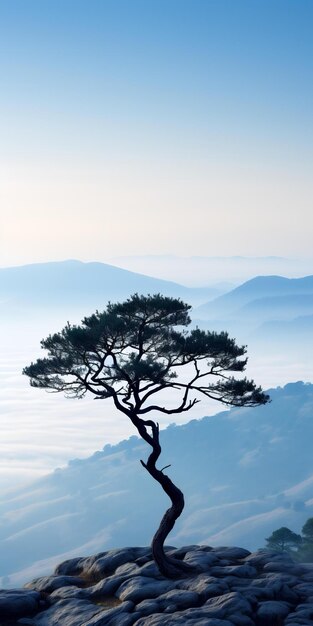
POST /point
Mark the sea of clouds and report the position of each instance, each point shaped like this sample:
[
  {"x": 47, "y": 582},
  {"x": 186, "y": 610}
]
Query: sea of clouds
[{"x": 41, "y": 431}]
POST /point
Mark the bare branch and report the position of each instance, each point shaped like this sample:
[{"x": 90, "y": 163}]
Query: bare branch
[{"x": 165, "y": 467}]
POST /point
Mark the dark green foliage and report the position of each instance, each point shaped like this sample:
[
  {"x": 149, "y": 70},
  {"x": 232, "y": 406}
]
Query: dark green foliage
[
  {"x": 134, "y": 349},
  {"x": 305, "y": 553},
  {"x": 307, "y": 530},
  {"x": 283, "y": 540}
]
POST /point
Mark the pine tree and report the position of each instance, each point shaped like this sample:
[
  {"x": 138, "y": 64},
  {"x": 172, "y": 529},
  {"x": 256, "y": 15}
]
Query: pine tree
[{"x": 131, "y": 353}]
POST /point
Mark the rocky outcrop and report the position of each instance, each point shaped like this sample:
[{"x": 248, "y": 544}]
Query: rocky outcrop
[{"x": 228, "y": 587}]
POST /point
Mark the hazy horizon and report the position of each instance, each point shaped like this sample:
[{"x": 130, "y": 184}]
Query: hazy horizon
[{"x": 199, "y": 271}]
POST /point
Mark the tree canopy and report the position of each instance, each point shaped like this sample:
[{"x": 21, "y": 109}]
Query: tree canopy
[
  {"x": 307, "y": 530},
  {"x": 133, "y": 350},
  {"x": 284, "y": 540}
]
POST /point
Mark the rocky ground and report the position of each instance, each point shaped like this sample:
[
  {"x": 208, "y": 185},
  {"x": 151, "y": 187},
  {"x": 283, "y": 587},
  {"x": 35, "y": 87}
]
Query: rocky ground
[{"x": 229, "y": 587}]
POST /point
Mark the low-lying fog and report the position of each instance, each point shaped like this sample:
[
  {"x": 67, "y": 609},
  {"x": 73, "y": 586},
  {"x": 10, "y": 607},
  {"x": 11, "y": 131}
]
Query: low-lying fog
[{"x": 41, "y": 431}]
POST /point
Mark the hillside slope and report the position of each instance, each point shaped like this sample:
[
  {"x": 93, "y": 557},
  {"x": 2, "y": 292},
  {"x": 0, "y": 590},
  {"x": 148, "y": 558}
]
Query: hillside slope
[{"x": 244, "y": 473}]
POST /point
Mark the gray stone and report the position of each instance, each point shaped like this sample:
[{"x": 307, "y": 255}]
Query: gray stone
[
  {"x": 151, "y": 570},
  {"x": 72, "y": 567},
  {"x": 289, "y": 579},
  {"x": 204, "y": 585},
  {"x": 179, "y": 553},
  {"x": 70, "y": 612},
  {"x": 107, "y": 586},
  {"x": 17, "y": 603},
  {"x": 69, "y": 592},
  {"x": 244, "y": 571},
  {"x": 141, "y": 588},
  {"x": 286, "y": 567},
  {"x": 176, "y": 599},
  {"x": 275, "y": 587},
  {"x": 289, "y": 595},
  {"x": 128, "y": 568},
  {"x": 237, "y": 580},
  {"x": 231, "y": 553},
  {"x": 304, "y": 589},
  {"x": 148, "y": 607},
  {"x": 200, "y": 559},
  {"x": 113, "y": 559},
  {"x": 260, "y": 557},
  {"x": 271, "y": 612},
  {"x": 111, "y": 617},
  {"x": 301, "y": 616},
  {"x": 255, "y": 593},
  {"x": 181, "y": 599},
  {"x": 304, "y": 610},
  {"x": 227, "y": 604}
]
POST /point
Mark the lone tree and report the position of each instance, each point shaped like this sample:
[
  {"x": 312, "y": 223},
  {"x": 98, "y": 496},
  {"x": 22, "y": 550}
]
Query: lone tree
[
  {"x": 133, "y": 351},
  {"x": 284, "y": 540}
]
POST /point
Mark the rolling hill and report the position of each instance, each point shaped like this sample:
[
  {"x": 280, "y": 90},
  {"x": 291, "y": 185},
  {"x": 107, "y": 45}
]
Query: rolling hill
[
  {"x": 74, "y": 285},
  {"x": 270, "y": 308},
  {"x": 258, "y": 290}
]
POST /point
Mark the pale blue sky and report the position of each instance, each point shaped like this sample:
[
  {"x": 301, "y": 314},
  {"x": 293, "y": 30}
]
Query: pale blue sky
[{"x": 160, "y": 126}]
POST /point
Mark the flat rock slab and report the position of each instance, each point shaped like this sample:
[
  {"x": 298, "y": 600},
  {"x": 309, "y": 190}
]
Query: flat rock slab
[
  {"x": 226, "y": 587},
  {"x": 141, "y": 588},
  {"x": 69, "y": 612},
  {"x": 231, "y": 553},
  {"x": 175, "y": 600}
]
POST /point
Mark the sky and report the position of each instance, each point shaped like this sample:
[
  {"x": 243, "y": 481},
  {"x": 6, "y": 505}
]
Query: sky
[{"x": 164, "y": 127}]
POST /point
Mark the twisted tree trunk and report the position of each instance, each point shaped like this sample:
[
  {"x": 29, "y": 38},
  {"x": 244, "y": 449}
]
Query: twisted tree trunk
[{"x": 168, "y": 566}]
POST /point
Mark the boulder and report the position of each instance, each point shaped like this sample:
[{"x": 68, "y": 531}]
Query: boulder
[
  {"x": 15, "y": 603},
  {"x": 141, "y": 588},
  {"x": 271, "y": 613}
]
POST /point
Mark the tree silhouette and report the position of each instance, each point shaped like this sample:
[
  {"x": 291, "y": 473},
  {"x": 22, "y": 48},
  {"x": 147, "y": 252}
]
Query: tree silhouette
[
  {"x": 306, "y": 548},
  {"x": 131, "y": 353},
  {"x": 307, "y": 530},
  {"x": 284, "y": 540}
]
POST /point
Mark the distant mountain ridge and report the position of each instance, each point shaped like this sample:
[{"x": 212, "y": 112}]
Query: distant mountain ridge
[
  {"x": 259, "y": 310},
  {"x": 258, "y": 288},
  {"x": 74, "y": 283}
]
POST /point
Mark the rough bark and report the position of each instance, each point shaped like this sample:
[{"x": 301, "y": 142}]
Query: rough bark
[{"x": 168, "y": 566}]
